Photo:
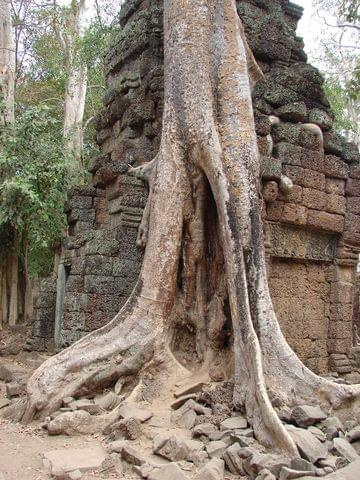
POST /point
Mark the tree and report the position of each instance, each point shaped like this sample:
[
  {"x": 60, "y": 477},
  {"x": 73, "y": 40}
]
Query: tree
[
  {"x": 7, "y": 65},
  {"x": 9, "y": 265},
  {"x": 339, "y": 61},
  {"x": 76, "y": 70},
  {"x": 204, "y": 214}
]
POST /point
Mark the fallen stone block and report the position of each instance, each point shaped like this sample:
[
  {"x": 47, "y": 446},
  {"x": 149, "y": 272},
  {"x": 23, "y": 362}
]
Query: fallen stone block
[
  {"x": 202, "y": 429},
  {"x": 176, "y": 448},
  {"x": 128, "y": 410},
  {"x": 15, "y": 389},
  {"x": 353, "y": 435},
  {"x": 234, "y": 457},
  {"x": 185, "y": 416},
  {"x": 168, "y": 472},
  {"x": 350, "y": 472},
  {"x": 333, "y": 462},
  {"x": 128, "y": 428},
  {"x": 13, "y": 373},
  {"x": 309, "y": 446},
  {"x": 213, "y": 470},
  {"x": 258, "y": 461},
  {"x": 216, "y": 449},
  {"x": 306, "y": 415},
  {"x": 132, "y": 456},
  {"x": 4, "y": 402},
  {"x": 290, "y": 474},
  {"x": 317, "y": 433},
  {"x": 343, "y": 448},
  {"x": 265, "y": 474},
  {"x": 181, "y": 400},
  {"x": 302, "y": 464},
  {"x": 70, "y": 423},
  {"x": 188, "y": 389},
  {"x": 233, "y": 423},
  {"x": 72, "y": 459}
]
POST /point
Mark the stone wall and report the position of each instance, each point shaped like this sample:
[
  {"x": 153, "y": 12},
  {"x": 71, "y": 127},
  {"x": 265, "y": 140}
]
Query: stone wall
[{"x": 312, "y": 231}]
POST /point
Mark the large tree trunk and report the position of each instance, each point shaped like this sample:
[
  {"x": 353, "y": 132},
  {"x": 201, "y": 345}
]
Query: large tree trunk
[
  {"x": 7, "y": 64},
  {"x": 204, "y": 216},
  {"x": 76, "y": 87}
]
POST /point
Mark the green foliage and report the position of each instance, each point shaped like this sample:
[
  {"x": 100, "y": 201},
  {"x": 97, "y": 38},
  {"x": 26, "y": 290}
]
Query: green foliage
[
  {"x": 349, "y": 10},
  {"x": 338, "y": 59},
  {"x": 34, "y": 174},
  {"x": 35, "y": 177}
]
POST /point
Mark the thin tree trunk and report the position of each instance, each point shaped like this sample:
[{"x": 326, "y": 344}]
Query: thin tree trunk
[
  {"x": 76, "y": 68},
  {"x": 28, "y": 294},
  {"x": 7, "y": 64},
  {"x": 208, "y": 156},
  {"x": 14, "y": 283}
]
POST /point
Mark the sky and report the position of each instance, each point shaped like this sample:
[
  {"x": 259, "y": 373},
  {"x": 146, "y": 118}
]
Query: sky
[{"x": 307, "y": 25}]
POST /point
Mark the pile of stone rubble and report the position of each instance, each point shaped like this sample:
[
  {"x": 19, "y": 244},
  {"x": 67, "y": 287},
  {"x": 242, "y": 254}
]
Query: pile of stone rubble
[
  {"x": 203, "y": 443},
  {"x": 197, "y": 437}
]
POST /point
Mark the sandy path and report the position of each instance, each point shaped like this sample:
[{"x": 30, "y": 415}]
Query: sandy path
[{"x": 21, "y": 449}]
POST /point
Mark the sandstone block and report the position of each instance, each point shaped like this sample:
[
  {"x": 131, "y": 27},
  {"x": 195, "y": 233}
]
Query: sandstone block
[
  {"x": 335, "y": 186},
  {"x": 292, "y": 112},
  {"x": 350, "y": 472},
  {"x": 290, "y": 474},
  {"x": 355, "y": 171},
  {"x": 295, "y": 173},
  {"x": 213, "y": 470},
  {"x": 258, "y": 461},
  {"x": 169, "y": 472},
  {"x": 265, "y": 474},
  {"x": 71, "y": 459},
  {"x": 132, "y": 456},
  {"x": 309, "y": 446},
  {"x": 335, "y": 167},
  {"x": 233, "y": 423},
  {"x": 216, "y": 449},
  {"x": 203, "y": 429},
  {"x": 353, "y": 187},
  {"x": 321, "y": 118},
  {"x": 354, "y": 434},
  {"x": 294, "y": 214},
  {"x": 351, "y": 153},
  {"x": 288, "y": 153},
  {"x": 128, "y": 410},
  {"x": 274, "y": 210},
  {"x": 306, "y": 415},
  {"x": 325, "y": 221},
  {"x": 313, "y": 160},
  {"x": 341, "y": 292},
  {"x": 315, "y": 199},
  {"x": 342, "y": 447},
  {"x": 340, "y": 329},
  {"x": 313, "y": 179},
  {"x": 353, "y": 205},
  {"x": 335, "y": 204},
  {"x": 341, "y": 312},
  {"x": 339, "y": 345},
  {"x": 234, "y": 457},
  {"x": 4, "y": 402}
]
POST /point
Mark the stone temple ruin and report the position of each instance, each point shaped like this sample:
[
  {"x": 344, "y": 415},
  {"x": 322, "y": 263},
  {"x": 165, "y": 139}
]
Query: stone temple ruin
[{"x": 312, "y": 229}]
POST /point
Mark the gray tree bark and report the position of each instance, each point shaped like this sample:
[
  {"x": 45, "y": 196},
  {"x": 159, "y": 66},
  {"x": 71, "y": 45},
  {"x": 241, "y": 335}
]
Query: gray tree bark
[{"x": 76, "y": 87}]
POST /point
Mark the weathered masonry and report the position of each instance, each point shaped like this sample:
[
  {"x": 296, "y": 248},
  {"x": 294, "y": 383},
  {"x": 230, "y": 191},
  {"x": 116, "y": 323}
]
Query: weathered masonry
[{"x": 312, "y": 229}]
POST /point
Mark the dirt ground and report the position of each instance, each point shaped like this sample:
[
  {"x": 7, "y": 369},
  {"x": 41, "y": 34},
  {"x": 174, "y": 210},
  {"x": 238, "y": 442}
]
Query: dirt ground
[{"x": 22, "y": 447}]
